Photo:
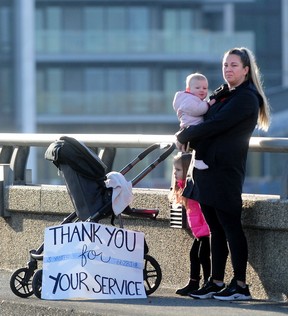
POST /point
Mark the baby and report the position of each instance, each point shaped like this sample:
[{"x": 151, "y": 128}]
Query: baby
[{"x": 190, "y": 107}]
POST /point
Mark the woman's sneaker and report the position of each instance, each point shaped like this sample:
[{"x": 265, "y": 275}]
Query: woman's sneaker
[
  {"x": 190, "y": 287},
  {"x": 233, "y": 292},
  {"x": 207, "y": 290}
]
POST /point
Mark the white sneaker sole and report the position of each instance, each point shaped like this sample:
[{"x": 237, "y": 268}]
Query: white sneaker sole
[
  {"x": 203, "y": 297},
  {"x": 234, "y": 297}
]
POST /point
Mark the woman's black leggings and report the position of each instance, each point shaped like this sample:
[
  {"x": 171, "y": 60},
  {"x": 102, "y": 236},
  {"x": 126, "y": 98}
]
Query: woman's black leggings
[
  {"x": 226, "y": 231},
  {"x": 200, "y": 256}
]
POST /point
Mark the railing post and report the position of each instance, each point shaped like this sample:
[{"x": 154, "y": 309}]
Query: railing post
[
  {"x": 6, "y": 178},
  {"x": 6, "y": 154},
  {"x": 18, "y": 164},
  {"x": 107, "y": 155}
]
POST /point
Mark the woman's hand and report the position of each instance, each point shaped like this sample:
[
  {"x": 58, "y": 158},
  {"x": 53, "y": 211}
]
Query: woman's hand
[
  {"x": 182, "y": 136},
  {"x": 181, "y": 147},
  {"x": 219, "y": 93}
]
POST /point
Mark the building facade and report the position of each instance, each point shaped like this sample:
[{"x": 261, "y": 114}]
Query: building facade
[
  {"x": 113, "y": 66},
  {"x": 7, "y": 67}
]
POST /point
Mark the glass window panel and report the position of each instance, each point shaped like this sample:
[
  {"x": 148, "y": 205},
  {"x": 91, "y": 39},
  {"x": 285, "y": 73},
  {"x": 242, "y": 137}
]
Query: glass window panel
[
  {"x": 72, "y": 39},
  {"x": 139, "y": 79},
  {"x": 182, "y": 19},
  {"x": 53, "y": 86},
  {"x": 213, "y": 21},
  {"x": 53, "y": 18},
  {"x": 138, "y": 24},
  {"x": 5, "y": 29},
  {"x": 72, "y": 94},
  {"x": 170, "y": 87},
  {"x": 53, "y": 79},
  {"x": 95, "y": 95},
  {"x": 116, "y": 22},
  {"x": 185, "y": 19},
  {"x": 94, "y": 23},
  {"x": 117, "y": 79},
  {"x": 170, "y": 20},
  {"x": 94, "y": 79},
  {"x": 138, "y": 18},
  {"x": 72, "y": 18},
  {"x": 116, "y": 18},
  {"x": 117, "y": 86},
  {"x": 39, "y": 31},
  {"x": 52, "y": 35},
  {"x": 5, "y": 90},
  {"x": 40, "y": 91},
  {"x": 93, "y": 18},
  {"x": 139, "y": 95},
  {"x": 39, "y": 19},
  {"x": 7, "y": 106},
  {"x": 72, "y": 79}
]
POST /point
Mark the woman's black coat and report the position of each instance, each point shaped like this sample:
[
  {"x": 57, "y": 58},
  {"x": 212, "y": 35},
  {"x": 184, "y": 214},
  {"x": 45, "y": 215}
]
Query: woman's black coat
[{"x": 224, "y": 138}]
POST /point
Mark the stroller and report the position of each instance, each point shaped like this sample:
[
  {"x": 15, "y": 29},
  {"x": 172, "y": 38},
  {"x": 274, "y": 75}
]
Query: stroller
[{"x": 85, "y": 174}]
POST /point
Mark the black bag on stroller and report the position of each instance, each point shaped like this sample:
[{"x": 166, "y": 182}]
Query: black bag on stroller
[{"x": 84, "y": 174}]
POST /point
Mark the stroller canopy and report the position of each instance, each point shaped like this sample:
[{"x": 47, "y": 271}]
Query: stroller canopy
[{"x": 78, "y": 156}]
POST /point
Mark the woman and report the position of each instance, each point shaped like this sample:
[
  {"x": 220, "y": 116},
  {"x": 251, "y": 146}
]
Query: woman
[{"x": 225, "y": 133}]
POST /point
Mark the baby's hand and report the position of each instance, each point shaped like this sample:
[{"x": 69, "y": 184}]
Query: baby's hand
[{"x": 211, "y": 102}]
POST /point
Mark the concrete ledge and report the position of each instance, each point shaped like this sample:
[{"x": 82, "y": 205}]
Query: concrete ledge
[{"x": 32, "y": 208}]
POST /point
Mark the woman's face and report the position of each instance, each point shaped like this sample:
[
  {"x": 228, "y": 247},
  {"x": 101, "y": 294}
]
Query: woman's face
[
  {"x": 178, "y": 171},
  {"x": 233, "y": 71}
]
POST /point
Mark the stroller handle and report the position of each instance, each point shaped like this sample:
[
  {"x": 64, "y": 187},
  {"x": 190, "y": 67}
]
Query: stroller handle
[
  {"x": 147, "y": 151},
  {"x": 169, "y": 148},
  {"x": 147, "y": 213}
]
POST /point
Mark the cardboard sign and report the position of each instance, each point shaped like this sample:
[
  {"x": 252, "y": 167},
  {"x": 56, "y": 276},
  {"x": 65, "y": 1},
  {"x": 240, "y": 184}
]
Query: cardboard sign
[{"x": 92, "y": 261}]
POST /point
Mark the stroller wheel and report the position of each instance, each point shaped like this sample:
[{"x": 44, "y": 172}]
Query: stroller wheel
[
  {"x": 37, "y": 283},
  {"x": 21, "y": 282},
  {"x": 152, "y": 274}
]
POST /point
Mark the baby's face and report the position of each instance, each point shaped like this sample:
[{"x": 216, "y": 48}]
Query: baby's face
[{"x": 199, "y": 87}]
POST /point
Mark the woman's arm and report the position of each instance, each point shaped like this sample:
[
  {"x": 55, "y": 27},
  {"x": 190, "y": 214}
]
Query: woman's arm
[{"x": 237, "y": 109}]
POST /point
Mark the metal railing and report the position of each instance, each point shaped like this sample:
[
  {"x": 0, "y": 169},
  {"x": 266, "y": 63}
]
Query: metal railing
[
  {"x": 259, "y": 144},
  {"x": 15, "y": 148}
]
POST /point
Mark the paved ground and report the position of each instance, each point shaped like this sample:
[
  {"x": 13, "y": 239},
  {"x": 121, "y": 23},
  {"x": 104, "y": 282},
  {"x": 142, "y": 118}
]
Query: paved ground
[{"x": 162, "y": 302}]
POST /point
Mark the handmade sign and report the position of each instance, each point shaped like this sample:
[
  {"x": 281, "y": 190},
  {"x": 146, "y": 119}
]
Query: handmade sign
[{"x": 92, "y": 261}]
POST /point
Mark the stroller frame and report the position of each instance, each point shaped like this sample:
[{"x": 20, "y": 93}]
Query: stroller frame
[{"x": 25, "y": 282}]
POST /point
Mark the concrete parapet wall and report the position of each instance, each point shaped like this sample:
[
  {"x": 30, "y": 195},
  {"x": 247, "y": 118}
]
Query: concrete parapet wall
[{"x": 32, "y": 208}]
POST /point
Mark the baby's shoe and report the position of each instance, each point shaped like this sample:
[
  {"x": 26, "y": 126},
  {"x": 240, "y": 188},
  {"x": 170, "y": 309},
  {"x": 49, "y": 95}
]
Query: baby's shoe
[{"x": 200, "y": 164}]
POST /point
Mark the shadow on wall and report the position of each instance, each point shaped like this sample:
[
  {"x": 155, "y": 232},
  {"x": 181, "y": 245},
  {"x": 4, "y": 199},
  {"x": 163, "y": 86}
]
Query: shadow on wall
[{"x": 267, "y": 250}]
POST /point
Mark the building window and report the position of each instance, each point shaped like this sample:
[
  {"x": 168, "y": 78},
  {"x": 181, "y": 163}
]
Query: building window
[
  {"x": 96, "y": 90},
  {"x": 7, "y": 107}
]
